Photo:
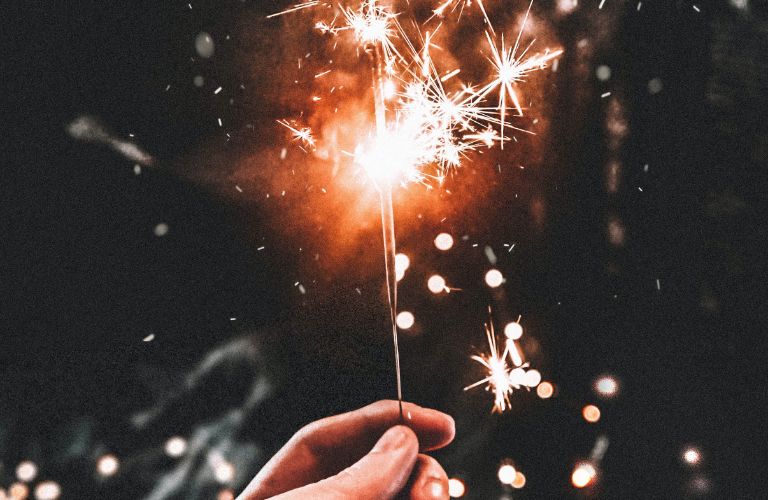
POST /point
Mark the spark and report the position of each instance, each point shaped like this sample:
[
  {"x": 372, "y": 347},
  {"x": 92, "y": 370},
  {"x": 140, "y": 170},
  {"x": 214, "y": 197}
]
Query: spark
[
  {"x": 303, "y": 134},
  {"x": 497, "y": 380},
  {"x": 511, "y": 68},
  {"x": 297, "y": 7}
]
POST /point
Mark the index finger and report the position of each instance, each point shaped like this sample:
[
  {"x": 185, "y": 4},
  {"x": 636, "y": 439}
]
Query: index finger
[{"x": 361, "y": 428}]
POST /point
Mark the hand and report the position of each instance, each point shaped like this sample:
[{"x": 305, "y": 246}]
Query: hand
[{"x": 360, "y": 455}]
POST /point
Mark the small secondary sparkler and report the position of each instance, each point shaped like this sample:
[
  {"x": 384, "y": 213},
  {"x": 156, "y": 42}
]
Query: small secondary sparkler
[
  {"x": 427, "y": 130},
  {"x": 505, "y": 369}
]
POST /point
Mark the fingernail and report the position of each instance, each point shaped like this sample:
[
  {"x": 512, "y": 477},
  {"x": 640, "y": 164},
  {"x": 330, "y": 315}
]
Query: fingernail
[
  {"x": 434, "y": 488},
  {"x": 392, "y": 439}
]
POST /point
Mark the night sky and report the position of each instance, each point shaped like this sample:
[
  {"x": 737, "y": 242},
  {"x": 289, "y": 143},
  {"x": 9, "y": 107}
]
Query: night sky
[{"x": 657, "y": 280}]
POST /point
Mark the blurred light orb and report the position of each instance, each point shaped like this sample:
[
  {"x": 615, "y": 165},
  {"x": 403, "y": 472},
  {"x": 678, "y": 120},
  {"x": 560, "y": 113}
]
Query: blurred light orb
[
  {"x": 507, "y": 474},
  {"x": 226, "y": 494},
  {"x": 405, "y": 320},
  {"x": 436, "y": 284},
  {"x": 606, "y": 386},
  {"x": 517, "y": 377},
  {"x": 567, "y": 6},
  {"x": 161, "y": 229},
  {"x": 494, "y": 278},
  {"x": 444, "y": 241},
  {"x": 519, "y": 481},
  {"x": 204, "y": 45},
  {"x": 591, "y": 413},
  {"x": 603, "y": 73},
  {"x": 107, "y": 465},
  {"x": 18, "y": 491},
  {"x": 402, "y": 262},
  {"x": 583, "y": 475},
  {"x": 456, "y": 488},
  {"x": 655, "y": 86},
  {"x": 692, "y": 455},
  {"x": 47, "y": 490},
  {"x": 532, "y": 378},
  {"x": 513, "y": 330},
  {"x": 26, "y": 471},
  {"x": 223, "y": 471},
  {"x": 175, "y": 446},
  {"x": 198, "y": 81},
  {"x": 545, "y": 390}
]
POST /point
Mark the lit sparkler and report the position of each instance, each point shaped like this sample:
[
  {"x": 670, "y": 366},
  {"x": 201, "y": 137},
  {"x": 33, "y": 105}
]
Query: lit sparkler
[
  {"x": 503, "y": 377},
  {"x": 428, "y": 130}
]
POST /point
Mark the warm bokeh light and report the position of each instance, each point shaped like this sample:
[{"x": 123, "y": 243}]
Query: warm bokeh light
[
  {"x": 18, "y": 491},
  {"x": 583, "y": 475},
  {"x": 436, "y": 284},
  {"x": 591, "y": 413},
  {"x": 545, "y": 390},
  {"x": 226, "y": 494},
  {"x": 405, "y": 320},
  {"x": 494, "y": 278},
  {"x": 519, "y": 481},
  {"x": 691, "y": 455},
  {"x": 47, "y": 490},
  {"x": 606, "y": 386},
  {"x": 26, "y": 471},
  {"x": 456, "y": 488},
  {"x": 176, "y": 446},
  {"x": 507, "y": 474},
  {"x": 402, "y": 263},
  {"x": 444, "y": 241},
  {"x": 107, "y": 465},
  {"x": 532, "y": 378},
  {"x": 513, "y": 330}
]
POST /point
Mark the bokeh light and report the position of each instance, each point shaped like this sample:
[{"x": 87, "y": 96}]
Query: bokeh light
[
  {"x": 226, "y": 494},
  {"x": 692, "y": 455},
  {"x": 18, "y": 491},
  {"x": 444, "y": 241},
  {"x": 436, "y": 284},
  {"x": 107, "y": 465},
  {"x": 223, "y": 471},
  {"x": 606, "y": 386},
  {"x": 583, "y": 475},
  {"x": 513, "y": 330},
  {"x": 405, "y": 320},
  {"x": 494, "y": 278},
  {"x": 532, "y": 378},
  {"x": 456, "y": 488},
  {"x": 402, "y": 263},
  {"x": 507, "y": 474},
  {"x": 519, "y": 481},
  {"x": 47, "y": 490},
  {"x": 176, "y": 446},
  {"x": 591, "y": 413},
  {"x": 545, "y": 390},
  {"x": 26, "y": 471}
]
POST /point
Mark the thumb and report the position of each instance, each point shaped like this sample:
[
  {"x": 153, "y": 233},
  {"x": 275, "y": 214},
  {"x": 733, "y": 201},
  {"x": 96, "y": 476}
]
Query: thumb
[{"x": 380, "y": 474}]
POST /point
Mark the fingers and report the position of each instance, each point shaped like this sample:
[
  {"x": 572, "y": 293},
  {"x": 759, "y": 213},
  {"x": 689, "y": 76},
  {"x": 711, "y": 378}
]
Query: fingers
[
  {"x": 325, "y": 447},
  {"x": 428, "y": 480},
  {"x": 380, "y": 474},
  {"x": 433, "y": 428}
]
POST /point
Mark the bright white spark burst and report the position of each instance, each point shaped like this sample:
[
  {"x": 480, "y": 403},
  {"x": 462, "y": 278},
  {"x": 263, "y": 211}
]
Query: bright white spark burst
[
  {"x": 502, "y": 370},
  {"x": 429, "y": 130}
]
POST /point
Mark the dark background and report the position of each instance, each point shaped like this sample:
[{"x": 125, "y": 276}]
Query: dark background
[{"x": 85, "y": 279}]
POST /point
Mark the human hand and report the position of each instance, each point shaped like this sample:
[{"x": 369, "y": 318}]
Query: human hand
[{"x": 360, "y": 455}]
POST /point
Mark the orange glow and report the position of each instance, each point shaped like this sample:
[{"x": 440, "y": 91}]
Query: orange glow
[
  {"x": 456, "y": 488},
  {"x": 47, "y": 490},
  {"x": 519, "y": 481},
  {"x": 18, "y": 491},
  {"x": 545, "y": 390},
  {"x": 591, "y": 413},
  {"x": 583, "y": 475},
  {"x": 226, "y": 494}
]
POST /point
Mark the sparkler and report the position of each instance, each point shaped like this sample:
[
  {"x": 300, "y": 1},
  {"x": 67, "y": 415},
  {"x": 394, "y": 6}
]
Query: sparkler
[{"x": 428, "y": 130}]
